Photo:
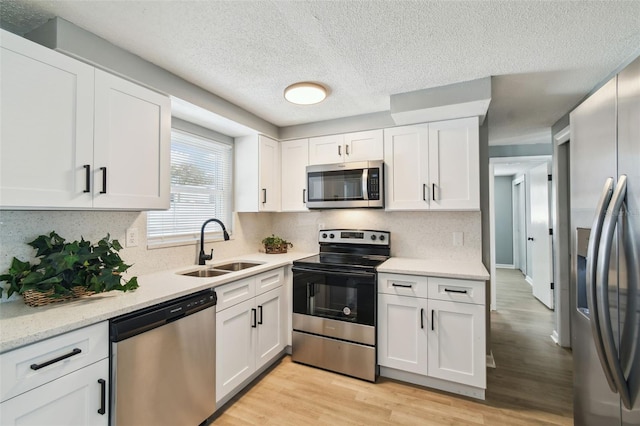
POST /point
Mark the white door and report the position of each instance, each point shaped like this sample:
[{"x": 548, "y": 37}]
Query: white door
[
  {"x": 47, "y": 127},
  {"x": 269, "y": 153},
  {"x": 454, "y": 167},
  {"x": 295, "y": 158},
  {"x": 457, "y": 342},
  {"x": 402, "y": 333},
  {"x": 80, "y": 398},
  {"x": 271, "y": 323},
  {"x": 326, "y": 150},
  {"x": 539, "y": 232},
  {"x": 406, "y": 157},
  {"x": 235, "y": 346},
  {"x": 132, "y": 145},
  {"x": 364, "y": 146}
]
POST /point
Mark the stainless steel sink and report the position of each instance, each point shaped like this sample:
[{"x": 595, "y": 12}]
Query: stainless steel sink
[
  {"x": 237, "y": 266},
  {"x": 205, "y": 273}
]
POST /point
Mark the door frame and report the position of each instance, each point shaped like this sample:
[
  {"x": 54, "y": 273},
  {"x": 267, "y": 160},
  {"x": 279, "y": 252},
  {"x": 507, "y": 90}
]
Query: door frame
[{"x": 519, "y": 197}]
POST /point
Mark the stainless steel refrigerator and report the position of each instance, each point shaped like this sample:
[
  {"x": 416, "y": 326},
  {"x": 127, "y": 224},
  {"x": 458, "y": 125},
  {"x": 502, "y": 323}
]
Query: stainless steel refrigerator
[{"x": 605, "y": 223}]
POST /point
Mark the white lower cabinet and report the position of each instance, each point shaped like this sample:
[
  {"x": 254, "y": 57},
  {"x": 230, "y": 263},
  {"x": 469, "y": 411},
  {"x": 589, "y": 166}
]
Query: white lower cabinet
[
  {"x": 434, "y": 330},
  {"x": 250, "y": 333},
  {"x": 63, "y": 380}
]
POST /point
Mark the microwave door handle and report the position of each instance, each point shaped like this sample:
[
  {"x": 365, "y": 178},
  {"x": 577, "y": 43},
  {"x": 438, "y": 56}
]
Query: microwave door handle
[
  {"x": 365, "y": 184},
  {"x": 604, "y": 254}
]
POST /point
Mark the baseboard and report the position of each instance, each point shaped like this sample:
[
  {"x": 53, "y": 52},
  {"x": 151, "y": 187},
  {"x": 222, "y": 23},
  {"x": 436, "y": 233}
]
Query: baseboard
[
  {"x": 491, "y": 362},
  {"x": 431, "y": 382},
  {"x": 504, "y": 266},
  {"x": 556, "y": 339},
  {"x": 529, "y": 280}
]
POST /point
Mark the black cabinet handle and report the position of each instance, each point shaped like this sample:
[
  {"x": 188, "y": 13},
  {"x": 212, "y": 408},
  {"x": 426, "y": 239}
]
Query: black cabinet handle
[
  {"x": 75, "y": 351},
  {"x": 264, "y": 195},
  {"x": 448, "y": 290},
  {"x": 424, "y": 192},
  {"x": 340, "y": 150},
  {"x": 304, "y": 195},
  {"x": 103, "y": 396},
  {"x": 432, "y": 320},
  {"x": 104, "y": 180},
  {"x": 346, "y": 147},
  {"x": 401, "y": 285},
  {"x": 253, "y": 317},
  {"x": 87, "y": 177},
  {"x": 421, "y": 318},
  {"x": 530, "y": 239},
  {"x": 260, "y": 314},
  {"x": 433, "y": 191}
]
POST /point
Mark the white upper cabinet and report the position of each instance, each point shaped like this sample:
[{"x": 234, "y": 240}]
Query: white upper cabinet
[
  {"x": 433, "y": 166},
  {"x": 47, "y": 127},
  {"x": 74, "y": 137},
  {"x": 295, "y": 158},
  {"x": 359, "y": 146},
  {"x": 257, "y": 174}
]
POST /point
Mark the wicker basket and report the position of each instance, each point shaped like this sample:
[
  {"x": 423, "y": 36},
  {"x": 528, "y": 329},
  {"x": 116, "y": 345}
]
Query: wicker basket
[
  {"x": 272, "y": 249},
  {"x": 39, "y": 298}
]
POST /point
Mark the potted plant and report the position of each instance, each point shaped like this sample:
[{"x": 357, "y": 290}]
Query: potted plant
[
  {"x": 274, "y": 244},
  {"x": 67, "y": 270}
]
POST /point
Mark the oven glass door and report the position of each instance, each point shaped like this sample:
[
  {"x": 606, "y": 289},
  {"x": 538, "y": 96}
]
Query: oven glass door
[
  {"x": 343, "y": 296},
  {"x": 339, "y": 185}
]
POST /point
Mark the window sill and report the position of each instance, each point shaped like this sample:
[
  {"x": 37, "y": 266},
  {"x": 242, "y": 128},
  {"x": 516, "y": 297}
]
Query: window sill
[{"x": 159, "y": 243}]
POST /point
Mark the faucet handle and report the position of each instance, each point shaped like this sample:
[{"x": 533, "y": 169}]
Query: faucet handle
[{"x": 209, "y": 256}]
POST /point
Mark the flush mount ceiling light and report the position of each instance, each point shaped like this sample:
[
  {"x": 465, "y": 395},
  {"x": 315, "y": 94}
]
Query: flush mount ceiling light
[{"x": 305, "y": 93}]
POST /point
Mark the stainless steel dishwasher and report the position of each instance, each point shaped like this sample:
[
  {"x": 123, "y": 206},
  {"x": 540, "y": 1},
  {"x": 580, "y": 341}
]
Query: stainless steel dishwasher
[{"x": 163, "y": 362}]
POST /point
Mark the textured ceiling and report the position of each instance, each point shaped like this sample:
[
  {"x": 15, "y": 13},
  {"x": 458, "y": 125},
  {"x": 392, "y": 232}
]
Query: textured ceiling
[{"x": 544, "y": 56}]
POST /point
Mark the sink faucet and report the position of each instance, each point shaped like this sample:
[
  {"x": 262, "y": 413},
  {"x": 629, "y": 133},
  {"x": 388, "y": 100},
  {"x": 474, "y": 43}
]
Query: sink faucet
[{"x": 202, "y": 258}]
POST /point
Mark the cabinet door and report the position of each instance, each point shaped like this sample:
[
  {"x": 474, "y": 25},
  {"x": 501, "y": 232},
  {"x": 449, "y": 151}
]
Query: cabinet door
[
  {"x": 295, "y": 158},
  {"x": 326, "y": 150},
  {"x": 364, "y": 146},
  {"x": 271, "y": 323},
  {"x": 402, "y": 333},
  {"x": 79, "y": 398},
  {"x": 235, "y": 346},
  {"x": 47, "y": 127},
  {"x": 406, "y": 157},
  {"x": 454, "y": 169},
  {"x": 457, "y": 343},
  {"x": 132, "y": 145},
  {"x": 269, "y": 164}
]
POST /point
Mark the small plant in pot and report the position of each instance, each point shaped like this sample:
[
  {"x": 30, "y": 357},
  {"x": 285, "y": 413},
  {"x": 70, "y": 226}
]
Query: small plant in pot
[
  {"x": 67, "y": 270},
  {"x": 274, "y": 244}
]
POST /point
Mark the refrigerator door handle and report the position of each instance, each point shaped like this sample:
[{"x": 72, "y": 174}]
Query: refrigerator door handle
[
  {"x": 592, "y": 296},
  {"x": 608, "y": 230}
]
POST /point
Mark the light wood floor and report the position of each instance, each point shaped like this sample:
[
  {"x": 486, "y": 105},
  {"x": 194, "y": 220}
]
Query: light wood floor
[{"x": 531, "y": 384}]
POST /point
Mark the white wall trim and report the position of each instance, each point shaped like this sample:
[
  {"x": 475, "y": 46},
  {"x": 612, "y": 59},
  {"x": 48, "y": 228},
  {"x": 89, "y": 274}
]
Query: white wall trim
[
  {"x": 562, "y": 136},
  {"x": 504, "y": 266},
  {"x": 491, "y": 361},
  {"x": 529, "y": 280},
  {"x": 554, "y": 336}
]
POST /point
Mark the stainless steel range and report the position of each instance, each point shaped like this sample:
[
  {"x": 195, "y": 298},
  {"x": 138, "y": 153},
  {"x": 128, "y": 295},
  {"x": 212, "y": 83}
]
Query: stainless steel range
[{"x": 334, "y": 302}]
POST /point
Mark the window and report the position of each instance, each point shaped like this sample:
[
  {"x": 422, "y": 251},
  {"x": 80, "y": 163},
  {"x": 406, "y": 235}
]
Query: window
[{"x": 201, "y": 172}]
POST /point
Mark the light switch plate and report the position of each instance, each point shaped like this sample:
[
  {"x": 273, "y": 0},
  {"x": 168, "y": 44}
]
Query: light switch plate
[{"x": 132, "y": 237}]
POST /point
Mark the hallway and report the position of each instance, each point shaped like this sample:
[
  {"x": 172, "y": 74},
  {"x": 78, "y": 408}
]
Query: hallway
[{"x": 531, "y": 386}]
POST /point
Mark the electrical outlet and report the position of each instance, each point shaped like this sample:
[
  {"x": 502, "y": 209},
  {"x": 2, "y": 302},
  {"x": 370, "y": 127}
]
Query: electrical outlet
[
  {"x": 458, "y": 238},
  {"x": 132, "y": 237}
]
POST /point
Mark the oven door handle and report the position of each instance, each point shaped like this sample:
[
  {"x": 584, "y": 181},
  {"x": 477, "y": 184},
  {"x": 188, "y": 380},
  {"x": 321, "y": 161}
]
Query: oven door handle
[{"x": 326, "y": 272}]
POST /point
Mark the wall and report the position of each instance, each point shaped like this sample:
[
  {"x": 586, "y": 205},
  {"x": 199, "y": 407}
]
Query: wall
[
  {"x": 17, "y": 228},
  {"x": 427, "y": 235},
  {"x": 504, "y": 220}
]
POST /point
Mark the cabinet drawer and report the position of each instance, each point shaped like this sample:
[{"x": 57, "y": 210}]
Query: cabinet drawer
[
  {"x": 22, "y": 369},
  {"x": 236, "y": 292},
  {"x": 403, "y": 285},
  {"x": 457, "y": 290},
  {"x": 269, "y": 280}
]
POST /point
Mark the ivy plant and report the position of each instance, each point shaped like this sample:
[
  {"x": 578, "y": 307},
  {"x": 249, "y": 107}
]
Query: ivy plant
[{"x": 63, "y": 265}]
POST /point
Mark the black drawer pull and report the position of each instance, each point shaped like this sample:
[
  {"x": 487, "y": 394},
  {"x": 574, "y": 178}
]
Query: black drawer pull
[
  {"x": 104, "y": 180},
  {"x": 103, "y": 396},
  {"x": 432, "y": 329},
  {"x": 75, "y": 351},
  {"x": 260, "y": 314},
  {"x": 87, "y": 177},
  {"x": 448, "y": 290},
  {"x": 253, "y": 318},
  {"x": 401, "y": 285},
  {"x": 421, "y": 318}
]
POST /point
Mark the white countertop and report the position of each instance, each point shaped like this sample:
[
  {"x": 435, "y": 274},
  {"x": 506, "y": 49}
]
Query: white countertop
[
  {"x": 21, "y": 324},
  {"x": 436, "y": 268}
]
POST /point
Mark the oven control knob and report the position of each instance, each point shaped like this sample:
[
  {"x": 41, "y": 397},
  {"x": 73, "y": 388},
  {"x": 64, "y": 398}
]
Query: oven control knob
[
  {"x": 373, "y": 237},
  {"x": 331, "y": 236},
  {"x": 381, "y": 237},
  {"x": 324, "y": 235}
]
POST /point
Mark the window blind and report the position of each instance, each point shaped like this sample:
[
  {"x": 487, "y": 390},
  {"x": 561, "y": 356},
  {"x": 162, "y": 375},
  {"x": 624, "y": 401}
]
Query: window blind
[{"x": 201, "y": 171}]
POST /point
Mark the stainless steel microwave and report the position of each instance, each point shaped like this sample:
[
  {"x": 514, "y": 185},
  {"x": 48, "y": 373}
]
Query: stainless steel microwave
[{"x": 346, "y": 185}]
